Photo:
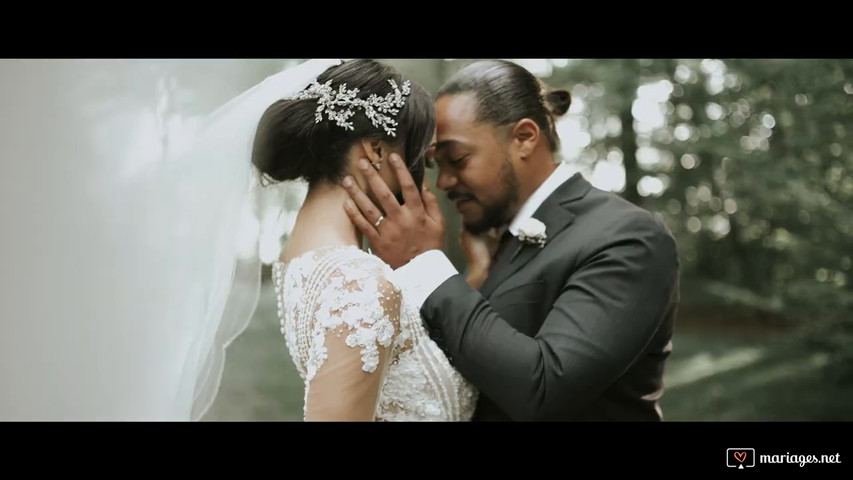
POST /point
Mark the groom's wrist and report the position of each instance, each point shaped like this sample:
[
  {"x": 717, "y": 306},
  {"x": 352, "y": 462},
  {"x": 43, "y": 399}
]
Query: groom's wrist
[{"x": 423, "y": 275}]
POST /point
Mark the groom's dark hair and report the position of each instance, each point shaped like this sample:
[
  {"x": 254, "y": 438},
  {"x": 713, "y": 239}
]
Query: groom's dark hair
[
  {"x": 506, "y": 93},
  {"x": 290, "y": 145}
]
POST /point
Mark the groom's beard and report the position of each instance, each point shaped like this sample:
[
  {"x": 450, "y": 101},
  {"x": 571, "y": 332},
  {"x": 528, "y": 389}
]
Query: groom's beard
[{"x": 496, "y": 214}]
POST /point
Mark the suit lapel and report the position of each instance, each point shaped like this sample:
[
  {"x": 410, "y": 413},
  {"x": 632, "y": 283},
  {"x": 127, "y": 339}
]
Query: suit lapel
[{"x": 556, "y": 216}]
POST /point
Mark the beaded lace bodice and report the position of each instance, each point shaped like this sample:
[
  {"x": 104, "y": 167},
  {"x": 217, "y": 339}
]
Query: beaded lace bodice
[{"x": 354, "y": 339}]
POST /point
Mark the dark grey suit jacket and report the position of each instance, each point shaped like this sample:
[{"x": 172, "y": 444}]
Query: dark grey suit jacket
[{"x": 577, "y": 330}]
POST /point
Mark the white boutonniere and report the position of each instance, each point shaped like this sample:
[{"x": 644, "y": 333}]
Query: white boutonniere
[{"x": 532, "y": 231}]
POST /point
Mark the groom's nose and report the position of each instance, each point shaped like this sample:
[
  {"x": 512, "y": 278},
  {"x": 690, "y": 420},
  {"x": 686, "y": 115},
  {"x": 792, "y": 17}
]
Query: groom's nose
[{"x": 446, "y": 180}]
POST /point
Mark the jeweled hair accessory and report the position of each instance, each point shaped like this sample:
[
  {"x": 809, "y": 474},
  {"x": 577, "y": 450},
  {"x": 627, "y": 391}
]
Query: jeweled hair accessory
[{"x": 340, "y": 105}]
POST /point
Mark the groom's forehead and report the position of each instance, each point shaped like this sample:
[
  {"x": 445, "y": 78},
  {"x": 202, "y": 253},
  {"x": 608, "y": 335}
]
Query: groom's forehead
[
  {"x": 445, "y": 145},
  {"x": 461, "y": 137},
  {"x": 456, "y": 111}
]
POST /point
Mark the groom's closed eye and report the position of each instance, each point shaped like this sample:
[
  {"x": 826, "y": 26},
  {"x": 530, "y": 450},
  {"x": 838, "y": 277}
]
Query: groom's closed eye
[
  {"x": 452, "y": 160},
  {"x": 458, "y": 160},
  {"x": 451, "y": 153}
]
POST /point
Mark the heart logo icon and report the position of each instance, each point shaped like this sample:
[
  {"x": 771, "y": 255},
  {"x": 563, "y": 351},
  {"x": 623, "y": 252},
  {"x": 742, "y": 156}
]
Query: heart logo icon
[{"x": 740, "y": 456}]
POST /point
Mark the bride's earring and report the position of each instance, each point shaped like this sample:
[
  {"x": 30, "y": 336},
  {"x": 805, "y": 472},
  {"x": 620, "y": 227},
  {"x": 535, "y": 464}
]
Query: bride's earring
[{"x": 375, "y": 151}]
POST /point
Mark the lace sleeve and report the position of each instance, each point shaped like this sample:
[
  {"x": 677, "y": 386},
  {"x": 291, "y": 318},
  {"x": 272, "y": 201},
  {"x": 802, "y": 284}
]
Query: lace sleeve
[{"x": 356, "y": 322}]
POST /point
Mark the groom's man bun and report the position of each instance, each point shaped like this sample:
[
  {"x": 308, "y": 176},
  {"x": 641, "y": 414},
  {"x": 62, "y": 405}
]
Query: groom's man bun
[
  {"x": 557, "y": 101},
  {"x": 290, "y": 145},
  {"x": 507, "y": 92}
]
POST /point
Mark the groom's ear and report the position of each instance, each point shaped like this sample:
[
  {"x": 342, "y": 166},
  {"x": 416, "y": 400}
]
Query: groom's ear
[{"x": 525, "y": 137}]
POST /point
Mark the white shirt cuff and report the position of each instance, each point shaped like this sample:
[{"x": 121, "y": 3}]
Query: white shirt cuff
[{"x": 422, "y": 275}]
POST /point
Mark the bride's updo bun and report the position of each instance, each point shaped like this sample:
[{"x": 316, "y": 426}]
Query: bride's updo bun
[{"x": 290, "y": 145}]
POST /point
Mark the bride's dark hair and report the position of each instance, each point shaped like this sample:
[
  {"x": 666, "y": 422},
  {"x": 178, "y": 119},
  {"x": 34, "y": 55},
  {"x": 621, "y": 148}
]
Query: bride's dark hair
[{"x": 290, "y": 145}]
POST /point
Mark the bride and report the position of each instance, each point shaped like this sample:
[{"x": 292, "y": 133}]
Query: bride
[
  {"x": 132, "y": 232},
  {"x": 357, "y": 343}
]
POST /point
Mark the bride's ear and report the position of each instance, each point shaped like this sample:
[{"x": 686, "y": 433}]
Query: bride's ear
[
  {"x": 373, "y": 149},
  {"x": 375, "y": 152}
]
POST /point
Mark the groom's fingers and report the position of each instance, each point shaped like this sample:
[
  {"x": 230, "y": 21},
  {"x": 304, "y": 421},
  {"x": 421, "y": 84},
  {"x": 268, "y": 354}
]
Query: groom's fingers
[
  {"x": 407, "y": 184},
  {"x": 364, "y": 205},
  {"x": 365, "y": 227},
  {"x": 430, "y": 202},
  {"x": 380, "y": 189}
]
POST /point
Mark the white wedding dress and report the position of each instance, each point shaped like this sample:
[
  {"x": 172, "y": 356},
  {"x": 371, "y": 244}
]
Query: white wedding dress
[{"x": 360, "y": 348}]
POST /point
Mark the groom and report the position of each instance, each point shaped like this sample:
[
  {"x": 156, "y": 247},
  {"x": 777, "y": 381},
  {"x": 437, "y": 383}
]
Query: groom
[{"x": 575, "y": 316}]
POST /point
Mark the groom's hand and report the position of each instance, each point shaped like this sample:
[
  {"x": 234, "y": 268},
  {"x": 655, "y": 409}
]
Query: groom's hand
[{"x": 405, "y": 231}]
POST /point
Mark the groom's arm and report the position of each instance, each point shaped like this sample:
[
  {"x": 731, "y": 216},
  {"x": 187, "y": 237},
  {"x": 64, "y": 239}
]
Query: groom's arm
[
  {"x": 605, "y": 316},
  {"x": 608, "y": 311}
]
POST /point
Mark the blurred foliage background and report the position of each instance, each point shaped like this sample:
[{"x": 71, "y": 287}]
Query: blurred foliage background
[{"x": 750, "y": 163}]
